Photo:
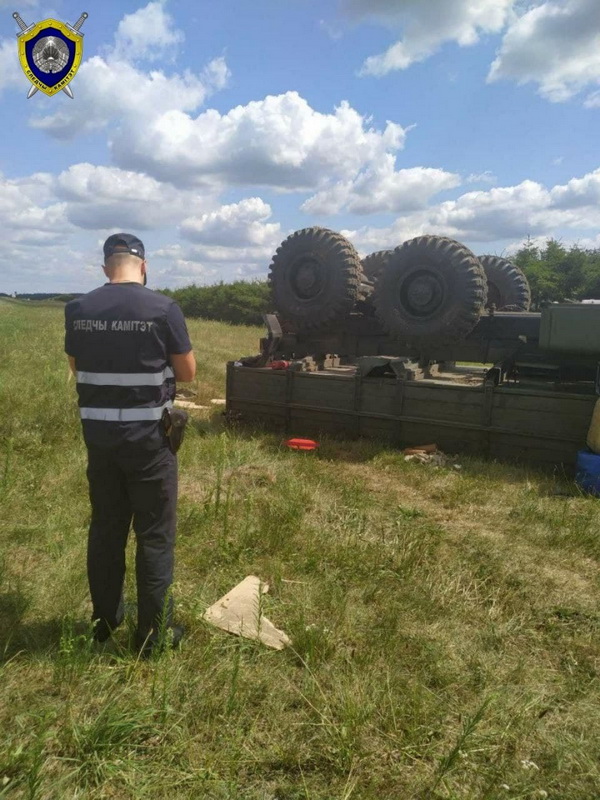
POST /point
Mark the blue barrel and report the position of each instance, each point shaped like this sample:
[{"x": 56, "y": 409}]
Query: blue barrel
[{"x": 588, "y": 472}]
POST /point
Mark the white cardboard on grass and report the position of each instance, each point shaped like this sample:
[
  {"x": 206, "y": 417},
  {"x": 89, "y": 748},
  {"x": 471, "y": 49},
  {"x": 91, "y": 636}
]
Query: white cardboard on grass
[
  {"x": 189, "y": 404},
  {"x": 238, "y": 612}
]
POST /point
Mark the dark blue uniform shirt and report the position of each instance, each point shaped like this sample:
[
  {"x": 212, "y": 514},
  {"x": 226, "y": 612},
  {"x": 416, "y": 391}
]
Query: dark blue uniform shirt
[{"x": 121, "y": 336}]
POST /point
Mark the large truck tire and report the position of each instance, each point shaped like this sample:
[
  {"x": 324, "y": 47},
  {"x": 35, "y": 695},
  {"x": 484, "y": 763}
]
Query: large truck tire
[
  {"x": 315, "y": 278},
  {"x": 432, "y": 288},
  {"x": 508, "y": 288},
  {"x": 372, "y": 265}
]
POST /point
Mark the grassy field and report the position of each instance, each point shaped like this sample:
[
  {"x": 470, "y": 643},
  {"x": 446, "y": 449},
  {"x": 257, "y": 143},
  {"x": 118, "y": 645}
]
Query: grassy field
[{"x": 445, "y": 624}]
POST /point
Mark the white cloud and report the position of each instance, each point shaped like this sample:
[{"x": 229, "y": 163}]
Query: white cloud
[
  {"x": 592, "y": 100},
  {"x": 111, "y": 88},
  {"x": 35, "y": 230},
  {"x": 330, "y": 30},
  {"x": 482, "y": 177},
  {"x": 382, "y": 188},
  {"x": 237, "y": 225},
  {"x": 499, "y": 214},
  {"x": 27, "y": 204},
  {"x": 35, "y": 188},
  {"x": 216, "y": 75},
  {"x": 35, "y": 251},
  {"x": 587, "y": 243},
  {"x": 556, "y": 45},
  {"x": 117, "y": 91},
  {"x": 578, "y": 192},
  {"x": 553, "y": 43},
  {"x": 10, "y": 70},
  {"x": 11, "y": 4},
  {"x": 178, "y": 265},
  {"x": 36, "y": 265},
  {"x": 108, "y": 197},
  {"x": 148, "y": 33},
  {"x": 426, "y": 26},
  {"x": 279, "y": 141},
  {"x": 154, "y": 128},
  {"x": 171, "y": 267},
  {"x": 44, "y": 216}
]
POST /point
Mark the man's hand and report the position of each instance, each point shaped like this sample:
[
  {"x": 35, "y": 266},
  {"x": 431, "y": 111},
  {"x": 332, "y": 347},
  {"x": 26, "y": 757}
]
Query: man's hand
[
  {"x": 72, "y": 365},
  {"x": 184, "y": 366}
]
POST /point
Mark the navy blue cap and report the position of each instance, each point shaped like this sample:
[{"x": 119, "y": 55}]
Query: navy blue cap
[{"x": 123, "y": 243}]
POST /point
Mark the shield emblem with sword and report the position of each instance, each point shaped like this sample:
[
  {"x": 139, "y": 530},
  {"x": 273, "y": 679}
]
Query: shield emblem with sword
[{"x": 50, "y": 53}]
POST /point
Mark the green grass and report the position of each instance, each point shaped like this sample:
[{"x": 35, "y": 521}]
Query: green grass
[{"x": 445, "y": 624}]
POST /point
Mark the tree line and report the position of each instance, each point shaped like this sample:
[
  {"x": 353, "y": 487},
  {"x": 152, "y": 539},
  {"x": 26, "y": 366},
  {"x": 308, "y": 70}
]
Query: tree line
[
  {"x": 241, "y": 302},
  {"x": 557, "y": 274}
]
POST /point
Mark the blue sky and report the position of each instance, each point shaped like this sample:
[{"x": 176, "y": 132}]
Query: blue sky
[{"x": 213, "y": 130}]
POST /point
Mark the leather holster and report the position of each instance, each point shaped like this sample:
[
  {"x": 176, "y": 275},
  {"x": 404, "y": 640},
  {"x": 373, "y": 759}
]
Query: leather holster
[{"x": 174, "y": 421}]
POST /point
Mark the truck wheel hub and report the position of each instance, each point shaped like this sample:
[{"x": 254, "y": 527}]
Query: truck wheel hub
[
  {"x": 306, "y": 279},
  {"x": 422, "y": 293}
]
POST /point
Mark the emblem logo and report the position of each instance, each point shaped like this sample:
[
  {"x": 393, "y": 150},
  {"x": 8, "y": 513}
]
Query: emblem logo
[{"x": 50, "y": 53}]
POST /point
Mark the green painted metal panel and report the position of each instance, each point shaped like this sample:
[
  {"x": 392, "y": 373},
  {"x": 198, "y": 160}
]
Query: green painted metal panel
[
  {"x": 541, "y": 427},
  {"x": 571, "y": 328}
]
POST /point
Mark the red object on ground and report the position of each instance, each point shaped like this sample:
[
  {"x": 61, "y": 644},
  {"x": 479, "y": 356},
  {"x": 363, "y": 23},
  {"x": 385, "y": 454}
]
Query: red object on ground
[
  {"x": 279, "y": 364},
  {"x": 302, "y": 444}
]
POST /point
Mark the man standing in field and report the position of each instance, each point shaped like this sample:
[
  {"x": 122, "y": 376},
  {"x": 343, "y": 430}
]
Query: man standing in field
[{"x": 127, "y": 346}]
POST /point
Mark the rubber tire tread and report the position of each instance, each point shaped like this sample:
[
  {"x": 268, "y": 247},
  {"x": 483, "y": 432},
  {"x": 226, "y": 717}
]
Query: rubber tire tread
[
  {"x": 373, "y": 264},
  {"x": 343, "y": 273},
  {"x": 508, "y": 281},
  {"x": 465, "y": 283}
]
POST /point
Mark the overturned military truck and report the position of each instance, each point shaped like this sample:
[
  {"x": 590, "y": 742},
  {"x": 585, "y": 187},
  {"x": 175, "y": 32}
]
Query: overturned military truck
[{"x": 423, "y": 343}]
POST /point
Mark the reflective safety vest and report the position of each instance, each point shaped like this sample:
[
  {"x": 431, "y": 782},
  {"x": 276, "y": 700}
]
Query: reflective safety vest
[{"x": 121, "y": 337}]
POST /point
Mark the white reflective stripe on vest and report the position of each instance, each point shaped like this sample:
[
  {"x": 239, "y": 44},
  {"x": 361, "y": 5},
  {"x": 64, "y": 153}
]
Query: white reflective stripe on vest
[
  {"x": 124, "y": 414},
  {"x": 125, "y": 378}
]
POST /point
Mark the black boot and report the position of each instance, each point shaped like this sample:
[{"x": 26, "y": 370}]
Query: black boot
[
  {"x": 103, "y": 629},
  {"x": 155, "y": 643}
]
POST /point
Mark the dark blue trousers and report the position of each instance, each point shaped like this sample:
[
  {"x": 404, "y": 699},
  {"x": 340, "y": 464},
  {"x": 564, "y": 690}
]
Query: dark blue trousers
[{"x": 132, "y": 485}]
